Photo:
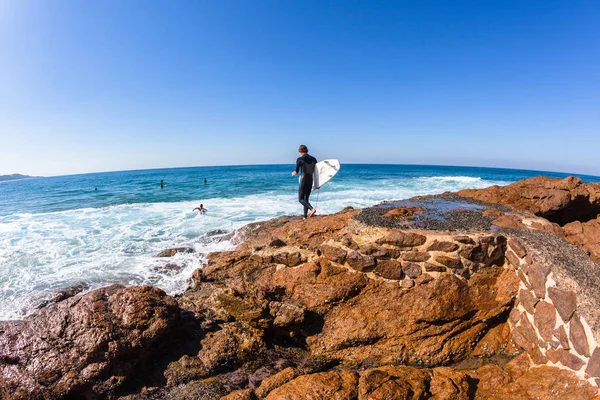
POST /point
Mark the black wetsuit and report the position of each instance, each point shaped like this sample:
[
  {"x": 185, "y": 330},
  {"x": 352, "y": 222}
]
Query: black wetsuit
[{"x": 307, "y": 163}]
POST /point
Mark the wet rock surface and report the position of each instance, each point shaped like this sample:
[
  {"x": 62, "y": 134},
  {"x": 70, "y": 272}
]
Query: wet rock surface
[{"x": 96, "y": 343}]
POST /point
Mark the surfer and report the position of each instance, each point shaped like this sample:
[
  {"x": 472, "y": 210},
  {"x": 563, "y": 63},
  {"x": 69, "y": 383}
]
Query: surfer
[
  {"x": 307, "y": 163},
  {"x": 162, "y": 183},
  {"x": 200, "y": 209}
]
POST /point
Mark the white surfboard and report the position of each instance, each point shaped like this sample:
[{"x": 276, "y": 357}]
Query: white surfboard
[{"x": 324, "y": 171}]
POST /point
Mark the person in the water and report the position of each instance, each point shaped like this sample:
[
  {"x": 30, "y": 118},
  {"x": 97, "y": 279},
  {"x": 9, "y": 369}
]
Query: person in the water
[
  {"x": 307, "y": 164},
  {"x": 200, "y": 209},
  {"x": 162, "y": 184}
]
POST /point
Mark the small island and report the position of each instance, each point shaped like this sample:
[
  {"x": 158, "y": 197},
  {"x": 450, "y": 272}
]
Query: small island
[{"x": 14, "y": 177}]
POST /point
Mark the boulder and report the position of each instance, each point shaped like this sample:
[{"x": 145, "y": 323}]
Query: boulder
[
  {"x": 86, "y": 345},
  {"x": 173, "y": 251},
  {"x": 407, "y": 329}
]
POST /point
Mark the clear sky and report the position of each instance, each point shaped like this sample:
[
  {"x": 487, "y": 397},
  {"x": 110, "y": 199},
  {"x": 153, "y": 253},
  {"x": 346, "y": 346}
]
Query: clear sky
[{"x": 105, "y": 85}]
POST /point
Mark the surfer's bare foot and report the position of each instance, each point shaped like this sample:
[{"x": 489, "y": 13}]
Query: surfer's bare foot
[{"x": 312, "y": 212}]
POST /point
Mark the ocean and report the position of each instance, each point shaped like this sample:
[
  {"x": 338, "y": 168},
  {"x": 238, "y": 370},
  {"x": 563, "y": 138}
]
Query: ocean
[{"x": 104, "y": 228}]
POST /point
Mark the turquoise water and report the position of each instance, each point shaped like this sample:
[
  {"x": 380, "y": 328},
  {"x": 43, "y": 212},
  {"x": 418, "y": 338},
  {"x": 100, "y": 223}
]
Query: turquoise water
[{"x": 60, "y": 231}]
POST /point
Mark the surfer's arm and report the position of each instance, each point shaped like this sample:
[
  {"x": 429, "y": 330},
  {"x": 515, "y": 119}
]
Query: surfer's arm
[{"x": 298, "y": 165}]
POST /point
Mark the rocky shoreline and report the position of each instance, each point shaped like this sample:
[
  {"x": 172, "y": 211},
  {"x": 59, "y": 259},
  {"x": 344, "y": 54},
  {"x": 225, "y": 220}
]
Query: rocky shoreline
[{"x": 479, "y": 294}]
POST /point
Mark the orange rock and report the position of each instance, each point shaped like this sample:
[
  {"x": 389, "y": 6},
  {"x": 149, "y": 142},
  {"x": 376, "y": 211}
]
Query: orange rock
[
  {"x": 497, "y": 340},
  {"x": 404, "y": 212},
  {"x": 324, "y": 385}
]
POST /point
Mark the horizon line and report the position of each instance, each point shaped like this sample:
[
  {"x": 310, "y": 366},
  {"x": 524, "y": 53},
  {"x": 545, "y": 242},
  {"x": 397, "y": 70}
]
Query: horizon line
[{"x": 278, "y": 164}]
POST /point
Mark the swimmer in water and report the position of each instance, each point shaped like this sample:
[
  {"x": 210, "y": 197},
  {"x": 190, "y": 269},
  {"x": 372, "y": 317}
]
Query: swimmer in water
[{"x": 200, "y": 209}]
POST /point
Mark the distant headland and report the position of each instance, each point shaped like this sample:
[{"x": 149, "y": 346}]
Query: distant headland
[{"x": 15, "y": 177}]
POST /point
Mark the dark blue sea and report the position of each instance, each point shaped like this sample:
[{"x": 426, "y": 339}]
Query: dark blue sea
[{"x": 105, "y": 228}]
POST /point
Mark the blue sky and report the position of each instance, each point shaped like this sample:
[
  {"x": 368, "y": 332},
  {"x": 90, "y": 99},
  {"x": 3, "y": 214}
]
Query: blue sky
[{"x": 112, "y": 85}]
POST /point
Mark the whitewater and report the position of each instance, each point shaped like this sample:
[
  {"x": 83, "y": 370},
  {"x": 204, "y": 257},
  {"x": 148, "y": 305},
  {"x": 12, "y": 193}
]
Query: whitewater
[{"x": 101, "y": 229}]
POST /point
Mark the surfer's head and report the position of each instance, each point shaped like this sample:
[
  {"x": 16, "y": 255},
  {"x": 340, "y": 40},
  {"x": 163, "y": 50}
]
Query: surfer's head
[{"x": 303, "y": 149}]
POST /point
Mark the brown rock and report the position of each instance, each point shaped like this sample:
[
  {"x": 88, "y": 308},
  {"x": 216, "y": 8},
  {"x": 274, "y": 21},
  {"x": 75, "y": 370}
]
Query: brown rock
[
  {"x": 172, "y": 252},
  {"x": 206, "y": 389},
  {"x": 360, "y": 262},
  {"x": 553, "y": 383},
  {"x": 558, "y": 200},
  {"x": 537, "y": 275},
  {"x": 408, "y": 283},
  {"x": 382, "y": 252},
  {"x": 515, "y": 315},
  {"x": 450, "y": 262},
  {"x": 415, "y": 256},
  {"x": 528, "y": 300},
  {"x": 593, "y": 368},
  {"x": 524, "y": 335},
  {"x": 447, "y": 383},
  {"x": 404, "y": 212},
  {"x": 233, "y": 345},
  {"x": 393, "y": 382},
  {"x": 238, "y": 307},
  {"x": 335, "y": 254},
  {"x": 447, "y": 247},
  {"x": 492, "y": 213},
  {"x": 523, "y": 278},
  {"x": 323, "y": 385},
  {"x": 498, "y": 340},
  {"x": 513, "y": 259},
  {"x": 566, "y": 202},
  {"x": 487, "y": 252},
  {"x": 464, "y": 239},
  {"x": 578, "y": 336},
  {"x": 561, "y": 335},
  {"x": 315, "y": 286},
  {"x": 368, "y": 330},
  {"x": 494, "y": 382},
  {"x": 275, "y": 381},
  {"x": 537, "y": 357},
  {"x": 286, "y": 313},
  {"x": 86, "y": 345},
  {"x": 412, "y": 270},
  {"x": 350, "y": 243},
  {"x": 184, "y": 370},
  {"x": 545, "y": 319},
  {"x": 554, "y": 344},
  {"x": 517, "y": 247},
  {"x": 389, "y": 269},
  {"x": 423, "y": 279},
  {"x": 243, "y": 394},
  {"x": 290, "y": 259},
  {"x": 565, "y": 302},
  {"x": 554, "y": 355},
  {"x": 434, "y": 268},
  {"x": 585, "y": 236},
  {"x": 571, "y": 361},
  {"x": 277, "y": 243},
  {"x": 508, "y": 222},
  {"x": 402, "y": 239}
]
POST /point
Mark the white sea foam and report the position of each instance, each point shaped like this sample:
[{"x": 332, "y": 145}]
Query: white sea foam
[{"x": 41, "y": 253}]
